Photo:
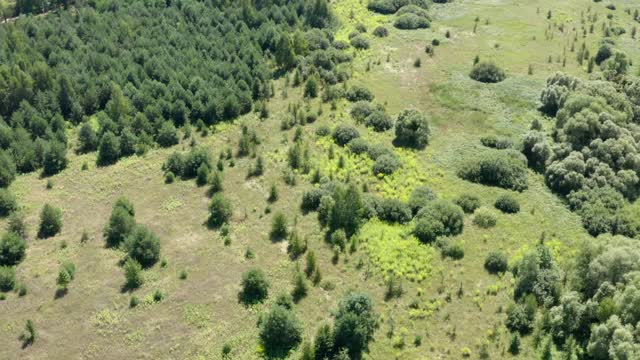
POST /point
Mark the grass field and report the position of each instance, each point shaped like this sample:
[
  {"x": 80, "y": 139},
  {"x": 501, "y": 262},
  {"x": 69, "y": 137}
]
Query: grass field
[{"x": 201, "y": 312}]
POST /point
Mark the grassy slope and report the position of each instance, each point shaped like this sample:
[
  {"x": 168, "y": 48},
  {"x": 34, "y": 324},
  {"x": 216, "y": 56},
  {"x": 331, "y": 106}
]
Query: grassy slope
[{"x": 201, "y": 312}]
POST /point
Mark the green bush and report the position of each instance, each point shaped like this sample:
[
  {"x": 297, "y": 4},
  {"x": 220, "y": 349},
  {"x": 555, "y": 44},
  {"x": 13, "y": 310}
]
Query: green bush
[
  {"x": 108, "y": 150},
  {"x": 220, "y": 211},
  {"x": 487, "y": 73},
  {"x": 496, "y": 169},
  {"x": 507, "y": 204},
  {"x": 50, "y": 221},
  {"x": 355, "y": 324},
  {"x": 469, "y": 203},
  {"x": 174, "y": 164},
  {"x": 453, "y": 250},
  {"x": 495, "y": 142},
  {"x": 379, "y": 121},
  {"x": 420, "y": 197},
  {"x": 438, "y": 218},
  {"x": 255, "y": 287},
  {"x": 279, "y": 227},
  {"x": 87, "y": 139},
  {"x": 361, "y": 109},
  {"x": 132, "y": 274},
  {"x": 392, "y": 6},
  {"x": 12, "y": 249},
  {"x": 386, "y": 164},
  {"x": 393, "y": 211},
  {"x": 55, "y": 158},
  {"x": 167, "y": 135},
  {"x": 342, "y": 134},
  {"x": 7, "y": 169},
  {"x": 323, "y": 131},
  {"x": 496, "y": 262},
  {"x": 120, "y": 225},
  {"x": 311, "y": 199},
  {"x": 143, "y": 246},
  {"x": 411, "y": 21},
  {"x": 484, "y": 218},
  {"x": 359, "y": 93},
  {"x": 196, "y": 158},
  {"x": 412, "y": 129},
  {"x": 280, "y": 332},
  {"x": 202, "y": 176},
  {"x": 7, "y": 278},
  {"x": 358, "y": 146},
  {"x": 8, "y": 202},
  {"x": 360, "y": 42},
  {"x": 381, "y": 32}
]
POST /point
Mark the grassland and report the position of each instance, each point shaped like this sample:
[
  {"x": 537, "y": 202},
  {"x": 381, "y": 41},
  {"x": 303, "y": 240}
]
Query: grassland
[{"x": 201, "y": 313}]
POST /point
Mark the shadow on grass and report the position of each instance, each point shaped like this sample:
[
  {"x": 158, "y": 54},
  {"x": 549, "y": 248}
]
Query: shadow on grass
[{"x": 60, "y": 293}]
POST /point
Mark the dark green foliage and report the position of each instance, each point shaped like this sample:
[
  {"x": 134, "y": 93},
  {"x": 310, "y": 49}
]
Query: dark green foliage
[
  {"x": 87, "y": 139},
  {"x": 323, "y": 343},
  {"x": 412, "y": 129},
  {"x": 361, "y": 109},
  {"x": 7, "y": 278},
  {"x": 7, "y": 169},
  {"x": 55, "y": 158},
  {"x": 355, "y": 324},
  {"x": 520, "y": 317},
  {"x": 394, "y": 288},
  {"x": 604, "y": 52},
  {"x": 379, "y": 121},
  {"x": 420, "y": 197},
  {"x": 8, "y": 202},
  {"x": 311, "y": 199},
  {"x": 386, "y": 165},
  {"x": 453, "y": 250},
  {"x": 300, "y": 287},
  {"x": 487, "y": 73},
  {"x": 393, "y": 211},
  {"x": 410, "y": 21},
  {"x": 514, "y": 344},
  {"x": 133, "y": 274},
  {"x": 12, "y": 249},
  {"x": 359, "y": 42},
  {"x": 358, "y": 146},
  {"x": 202, "y": 176},
  {"x": 469, "y": 203},
  {"x": 507, "y": 203},
  {"x": 496, "y": 262},
  {"x": 438, "y": 218},
  {"x": 143, "y": 246},
  {"x": 495, "y": 142},
  {"x": 345, "y": 210},
  {"x": 109, "y": 149},
  {"x": 496, "y": 169},
  {"x": 311, "y": 87},
  {"x": 196, "y": 158},
  {"x": 381, "y": 31},
  {"x": 174, "y": 164},
  {"x": 121, "y": 224},
  {"x": 342, "y": 134},
  {"x": 50, "y": 221},
  {"x": 128, "y": 143},
  {"x": 279, "y": 227},
  {"x": 255, "y": 287},
  {"x": 392, "y": 6},
  {"x": 16, "y": 224},
  {"x": 484, "y": 218},
  {"x": 359, "y": 93},
  {"x": 280, "y": 331},
  {"x": 536, "y": 149},
  {"x": 220, "y": 211}
]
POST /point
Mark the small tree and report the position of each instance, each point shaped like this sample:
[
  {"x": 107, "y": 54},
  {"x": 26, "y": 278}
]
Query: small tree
[
  {"x": 220, "y": 211},
  {"x": 12, "y": 249},
  {"x": 121, "y": 224},
  {"x": 7, "y": 169},
  {"x": 50, "y": 221},
  {"x": 7, "y": 278},
  {"x": 255, "y": 287},
  {"x": 279, "y": 227},
  {"x": 300, "y": 286},
  {"x": 507, "y": 204},
  {"x": 63, "y": 280},
  {"x": 87, "y": 139},
  {"x": 496, "y": 262},
  {"x": 8, "y": 203},
  {"x": 202, "y": 175},
  {"x": 132, "y": 274},
  {"x": 55, "y": 158},
  {"x": 30, "y": 334},
  {"x": 280, "y": 332},
  {"x": 487, "y": 73},
  {"x": 412, "y": 129},
  {"x": 143, "y": 246},
  {"x": 109, "y": 149},
  {"x": 355, "y": 324}
]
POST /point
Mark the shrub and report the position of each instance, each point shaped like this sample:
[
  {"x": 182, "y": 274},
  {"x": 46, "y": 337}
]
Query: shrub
[
  {"x": 280, "y": 332},
  {"x": 487, "y": 73},
  {"x": 132, "y": 274},
  {"x": 167, "y": 135},
  {"x": 438, "y": 218},
  {"x": 174, "y": 164},
  {"x": 413, "y": 9},
  {"x": 360, "y": 42},
  {"x": 87, "y": 139},
  {"x": 469, "y": 203},
  {"x": 355, "y": 324},
  {"x": 8, "y": 202},
  {"x": 50, "y": 221},
  {"x": 359, "y": 93},
  {"x": 63, "y": 280},
  {"x": 12, "y": 249},
  {"x": 121, "y": 224},
  {"x": 358, "y": 146},
  {"x": 342, "y": 134},
  {"x": 7, "y": 278},
  {"x": 453, "y": 250},
  {"x": 16, "y": 224},
  {"x": 412, "y": 129},
  {"x": 484, "y": 218},
  {"x": 420, "y": 197},
  {"x": 55, "y": 158},
  {"x": 507, "y": 204},
  {"x": 496, "y": 262},
  {"x": 361, "y": 109},
  {"x": 109, "y": 149},
  {"x": 393, "y": 211},
  {"x": 379, "y": 121},
  {"x": 220, "y": 211},
  {"x": 386, "y": 164},
  {"x": 496, "y": 169},
  {"x": 519, "y": 319},
  {"x": 279, "y": 227},
  {"x": 311, "y": 199},
  {"x": 143, "y": 246},
  {"x": 604, "y": 52},
  {"x": 300, "y": 286},
  {"x": 411, "y": 21},
  {"x": 203, "y": 174},
  {"x": 323, "y": 131},
  {"x": 381, "y": 32},
  {"x": 255, "y": 287},
  {"x": 495, "y": 142},
  {"x": 377, "y": 150},
  {"x": 194, "y": 160},
  {"x": 7, "y": 169},
  {"x": 169, "y": 178}
]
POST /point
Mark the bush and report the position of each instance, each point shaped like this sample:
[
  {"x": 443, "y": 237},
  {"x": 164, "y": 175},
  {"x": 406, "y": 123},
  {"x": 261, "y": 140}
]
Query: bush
[
  {"x": 358, "y": 146},
  {"x": 413, "y": 9},
  {"x": 484, "y": 218},
  {"x": 381, "y": 32},
  {"x": 411, "y": 21},
  {"x": 167, "y": 135},
  {"x": 220, "y": 211},
  {"x": 202, "y": 176},
  {"x": 393, "y": 211},
  {"x": 7, "y": 278},
  {"x": 453, "y": 250},
  {"x": 87, "y": 139},
  {"x": 109, "y": 149},
  {"x": 7, "y": 169},
  {"x": 379, "y": 121},
  {"x": 279, "y": 227},
  {"x": 496, "y": 262},
  {"x": 469, "y": 203},
  {"x": 507, "y": 204},
  {"x": 255, "y": 287},
  {"x": 311, "y": 199},
  {"x": 377, "y": 150},
  {"x": 355, "y": 324},
  {"x": 55, "y": 158},
  {"x": 194, "y": 160},
  {"x": 174, "y": 164},
  {"x": 323, "y": 131},
  {"x": 487, "y": 73},
  {"x": 12, "y": 249},
  {"x": 495, "y": 142},
  {"x": 143, "y": 246},
  {"x": 392, "y": 6},
  {"x": 360, "y": 42},
  {"x": 361, "y": 109},
  {"x": 342, "y": 134},
  {"x": 386, "y": 164},
  {"x": 519, "y": 318},
  {"x": 8, "y": 202},
  {"x": 604, "y": 52},
  {"x": 438, "y": 218},
  {"x": 412, "y": 129},
  {"x": 359, "y": 93},
  {"x": 50, "y": 221},
  {"x": 420, "y": 197},
  {"x": 496, "y": 169},
  {"x": 121, "y": 224},
  {"x": 132, "y": 274},
  {"x": 280, "y": 332}
]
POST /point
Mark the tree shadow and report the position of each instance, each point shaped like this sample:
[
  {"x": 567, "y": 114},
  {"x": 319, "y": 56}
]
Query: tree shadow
[{"x": 60, "y": 293}]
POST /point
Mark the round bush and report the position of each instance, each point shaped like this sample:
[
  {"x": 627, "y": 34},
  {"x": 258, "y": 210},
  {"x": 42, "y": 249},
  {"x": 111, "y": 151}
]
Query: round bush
[
  {"x": 323, "y": 131},
  {"x": 255, "y": 287},
  {"x": 438, "y": 218},
  {"x": 12, "y": 249},
  {"x": 220, "y": 211},
  {"x": 280, "y": 332},
  {"x": 413, "y": 9},
  {"x": 167, "y": 135},
  {"x": 487, "y": 73},
  {"x": 50, "y": 221},
  {"x": 174, "y": 164},
  {"x": 360, "y": 42},
  {"x": 381, "y": 31},
  {"x": 143, "y": 246},
  {"x": 279, "y": 227},
  {"x": 469, "y": 203},
  {"x": 386, "y": 164},
  {"x": 453, "y": 250},
  {"x": 393, "y": 211},
  {"x": 411, "y": 21},
  {"x": 361, "y": 109},
  {"x": 377, "y": 150},
  {"x": 358, "y": 146},
  {"x": 8, "y": 203},
  {"x": 507, "y": 204},
  {"x": 7, "y": 278},
  {"x": 496, "y": 262},
  {"x": 342, "y": 134},
  {"x": 359, "y": 93},
  {"x": 420, "y": 197},
  {"x": 412, "y": 129},
  {"x": 379, "y": 121},
  {"x": 119, "y": 227},
  {"x": 484, "y": 218},
  {"x": 311, "y": 199},
  {"x": 496, "y": 169},
  {"x": 7, "y": 169}
]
